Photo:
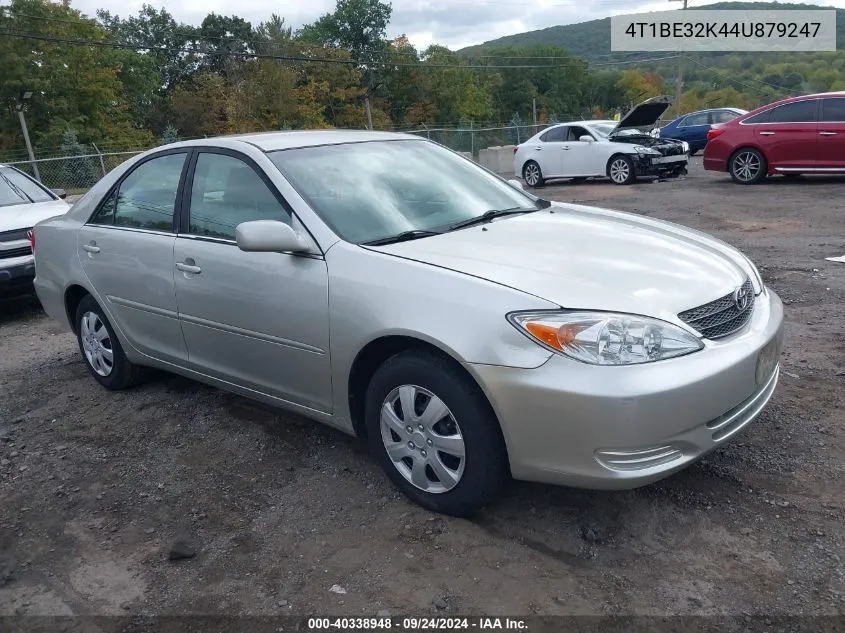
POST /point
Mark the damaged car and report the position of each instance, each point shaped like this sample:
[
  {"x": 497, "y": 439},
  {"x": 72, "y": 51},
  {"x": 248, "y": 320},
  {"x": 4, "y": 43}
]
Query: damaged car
[{"x": 621, "y": 150}]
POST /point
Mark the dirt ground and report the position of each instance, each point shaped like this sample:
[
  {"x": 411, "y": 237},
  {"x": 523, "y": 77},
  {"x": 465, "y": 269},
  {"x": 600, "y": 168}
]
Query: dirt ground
[{"x": 96, "y": 486}]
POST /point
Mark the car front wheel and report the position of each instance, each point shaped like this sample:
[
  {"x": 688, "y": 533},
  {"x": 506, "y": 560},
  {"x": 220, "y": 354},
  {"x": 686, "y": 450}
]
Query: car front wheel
[
  {"x": 748, "y": 166},
  {"x": 621, "y": 170},
  {"x": 101, "y": 350},
  {"x": 434, "y": 434},
  {"x": 532, "y": 174}
]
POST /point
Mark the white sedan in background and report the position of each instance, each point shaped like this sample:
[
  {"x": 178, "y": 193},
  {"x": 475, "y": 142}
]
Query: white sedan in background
[{"x": 618, "y": 150}]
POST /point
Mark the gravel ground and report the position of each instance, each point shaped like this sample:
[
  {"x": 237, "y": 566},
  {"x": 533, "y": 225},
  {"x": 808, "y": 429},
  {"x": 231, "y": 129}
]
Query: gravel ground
[{"x": 95, "y": 487}]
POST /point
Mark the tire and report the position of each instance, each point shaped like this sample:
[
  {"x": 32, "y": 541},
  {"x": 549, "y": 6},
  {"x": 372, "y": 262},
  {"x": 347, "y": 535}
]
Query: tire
[
  {"x": 620, "y": 169},
  {"x": 747, "y": 166},
  {"x": 454, "y": 414},
  {"x": 97, "y": 342},
  {"x": 532, "y": 174}
]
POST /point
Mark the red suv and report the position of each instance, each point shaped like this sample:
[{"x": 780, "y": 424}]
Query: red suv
[{"x": 793, "y": 136}]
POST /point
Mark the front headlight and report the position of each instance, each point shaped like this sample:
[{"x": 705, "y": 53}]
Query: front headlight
[
  {"x": 757, "y": 278},
  {"x": 685, "y": 147},
  {"x": 606, "y": 338},
  {"x": 645, "y": 151}
]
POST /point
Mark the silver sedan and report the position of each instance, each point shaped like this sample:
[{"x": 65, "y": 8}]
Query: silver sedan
[{"x": 395, "y": 290}]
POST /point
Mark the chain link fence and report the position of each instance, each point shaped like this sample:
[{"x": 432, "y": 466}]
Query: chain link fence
[
  {"x": 74, "y": 174},
  {"x": 472, "y": 139}
]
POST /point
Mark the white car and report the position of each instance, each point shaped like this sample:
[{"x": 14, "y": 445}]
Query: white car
[
  {"x": 586, "y": 149},
  {"x": 23, "y": 203}
]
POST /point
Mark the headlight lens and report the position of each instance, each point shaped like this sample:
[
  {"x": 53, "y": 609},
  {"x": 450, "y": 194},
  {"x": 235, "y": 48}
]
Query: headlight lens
[
  {"x": 757, "y": 278},
  {"x": 606, "y": 338},
  {"x": 645, "y": 151},
  {"x": 685, "y": 147}
]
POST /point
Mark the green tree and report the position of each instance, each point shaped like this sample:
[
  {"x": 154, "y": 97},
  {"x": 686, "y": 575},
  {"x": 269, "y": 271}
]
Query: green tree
[
  {"x": 76, "y": 173},
  {"x": 170, "y": 135}
]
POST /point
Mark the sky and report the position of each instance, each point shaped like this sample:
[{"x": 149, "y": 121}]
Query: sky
[{"x": 454, "y": 23}]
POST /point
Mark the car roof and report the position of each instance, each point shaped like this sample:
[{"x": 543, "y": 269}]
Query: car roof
[{"x": 272, "y": 141}]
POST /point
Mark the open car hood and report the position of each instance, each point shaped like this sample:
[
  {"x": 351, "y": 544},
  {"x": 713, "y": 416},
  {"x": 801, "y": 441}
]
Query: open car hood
[{"x": 645, "y": 114}]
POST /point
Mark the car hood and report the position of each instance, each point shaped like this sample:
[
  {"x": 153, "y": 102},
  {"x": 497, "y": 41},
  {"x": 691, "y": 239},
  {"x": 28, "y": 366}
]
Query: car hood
[
  {"x": 24, "y": 216},
  {"x": 644, "y": 114},
  {"x": 587, "y": 258}
]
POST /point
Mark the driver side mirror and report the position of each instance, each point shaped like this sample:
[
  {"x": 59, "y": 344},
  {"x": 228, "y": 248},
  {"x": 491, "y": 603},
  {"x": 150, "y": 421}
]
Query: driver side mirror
[
  {"x": 586, "y": 139},
  {"x": 60, "y": 192},
  {"x": 269, "y": 236},
  {"x": 516, "y": 184}
]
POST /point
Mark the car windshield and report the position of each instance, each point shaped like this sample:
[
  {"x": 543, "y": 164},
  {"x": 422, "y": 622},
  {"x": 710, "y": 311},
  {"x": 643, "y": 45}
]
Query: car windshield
[
  {"x": 16, "y": 188},
  {"x": 374, "y": 190}
]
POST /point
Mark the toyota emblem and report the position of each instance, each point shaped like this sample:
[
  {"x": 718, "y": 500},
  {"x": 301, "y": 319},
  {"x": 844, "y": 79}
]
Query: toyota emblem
[{"x": 742, "y": 298}]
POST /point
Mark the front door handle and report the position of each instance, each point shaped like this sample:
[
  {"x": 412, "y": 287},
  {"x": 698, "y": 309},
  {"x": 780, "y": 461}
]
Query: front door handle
[
  {"x": 827, "y": 133},
  {"x": 537, "y": 149},
  {"x": 767, "y": 133},
  {"x": 91, "y": 248},
  {"x": 185, "y": 267},
  {"x": 566, "y": 147}
]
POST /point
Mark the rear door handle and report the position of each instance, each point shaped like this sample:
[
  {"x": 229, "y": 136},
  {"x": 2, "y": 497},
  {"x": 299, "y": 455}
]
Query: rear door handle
[
  {"x": 91, "y": 248},
  {"x": 188, "y": 268},
  {"x": 767, "y": 133},
  {"x": 537, "y": 149},
  {"x": 566, "y": 147},
  {"x": 827, "y": 133}
]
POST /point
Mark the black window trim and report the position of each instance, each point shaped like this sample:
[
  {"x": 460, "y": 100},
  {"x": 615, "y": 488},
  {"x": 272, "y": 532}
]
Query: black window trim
[
  {"x": 780, "y": 105},
  {"x": 188, "y": 151},
  {"x": 184, "y": 221}
]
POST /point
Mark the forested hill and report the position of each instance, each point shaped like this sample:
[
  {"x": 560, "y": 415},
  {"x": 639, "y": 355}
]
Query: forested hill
[{"x": 591, "y": 40}]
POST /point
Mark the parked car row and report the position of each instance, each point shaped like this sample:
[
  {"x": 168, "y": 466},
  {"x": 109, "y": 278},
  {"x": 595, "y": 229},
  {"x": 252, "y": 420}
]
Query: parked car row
[{"x": 794, "y": 136}]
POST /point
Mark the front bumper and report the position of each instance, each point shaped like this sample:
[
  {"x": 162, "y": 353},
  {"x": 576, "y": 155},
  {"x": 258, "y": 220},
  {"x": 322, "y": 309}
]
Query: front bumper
[
  {"x": 16, "y": 275},
  {"x": 590, "y": 426},
  {"x": 662, "y": 166}
]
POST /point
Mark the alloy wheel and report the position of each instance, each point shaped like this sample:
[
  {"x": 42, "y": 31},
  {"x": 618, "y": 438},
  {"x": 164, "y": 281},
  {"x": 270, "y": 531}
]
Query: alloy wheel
[
  {"x": 747, "y": 166},
  {"x": 620, "y": 171},
  {"x": 422, "y": 439},
  {"x": 532, "y": 174},
  {"x": 96, "y": 343}
]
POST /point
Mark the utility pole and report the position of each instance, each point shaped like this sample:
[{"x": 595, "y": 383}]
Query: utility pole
[
  {"x": 25, "y": 96},
  {"x": 369, "y": 113},
  {"x": 679, "y": 87},
  {"x": 534, "y": 109}
]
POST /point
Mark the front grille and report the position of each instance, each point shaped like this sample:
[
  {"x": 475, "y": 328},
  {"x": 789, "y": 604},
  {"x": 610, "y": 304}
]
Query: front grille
[
  {"x": 15, "y": 252},
  {"x": 14, "y": 236},
  {"x": 721, "y": 317}
]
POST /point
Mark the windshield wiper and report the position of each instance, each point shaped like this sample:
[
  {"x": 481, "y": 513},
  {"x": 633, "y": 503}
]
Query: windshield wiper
[
  {"x": 405, "y": 236},
  {"x": 488, "y": 216},
  {"x": 16, "y": 189}
]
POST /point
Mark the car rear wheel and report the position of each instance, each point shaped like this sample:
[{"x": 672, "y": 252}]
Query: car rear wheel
[
  {"x": 532, "y": 174},
  {"x": 101, "y": 350},
  {"x": 434, "y": 434},
  {"x": 621, "y": 170},
  {"x": 748, "y": 166}
]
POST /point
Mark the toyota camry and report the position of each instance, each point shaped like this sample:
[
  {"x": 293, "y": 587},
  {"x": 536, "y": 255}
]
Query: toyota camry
[{"x": 395, "y": 290}]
